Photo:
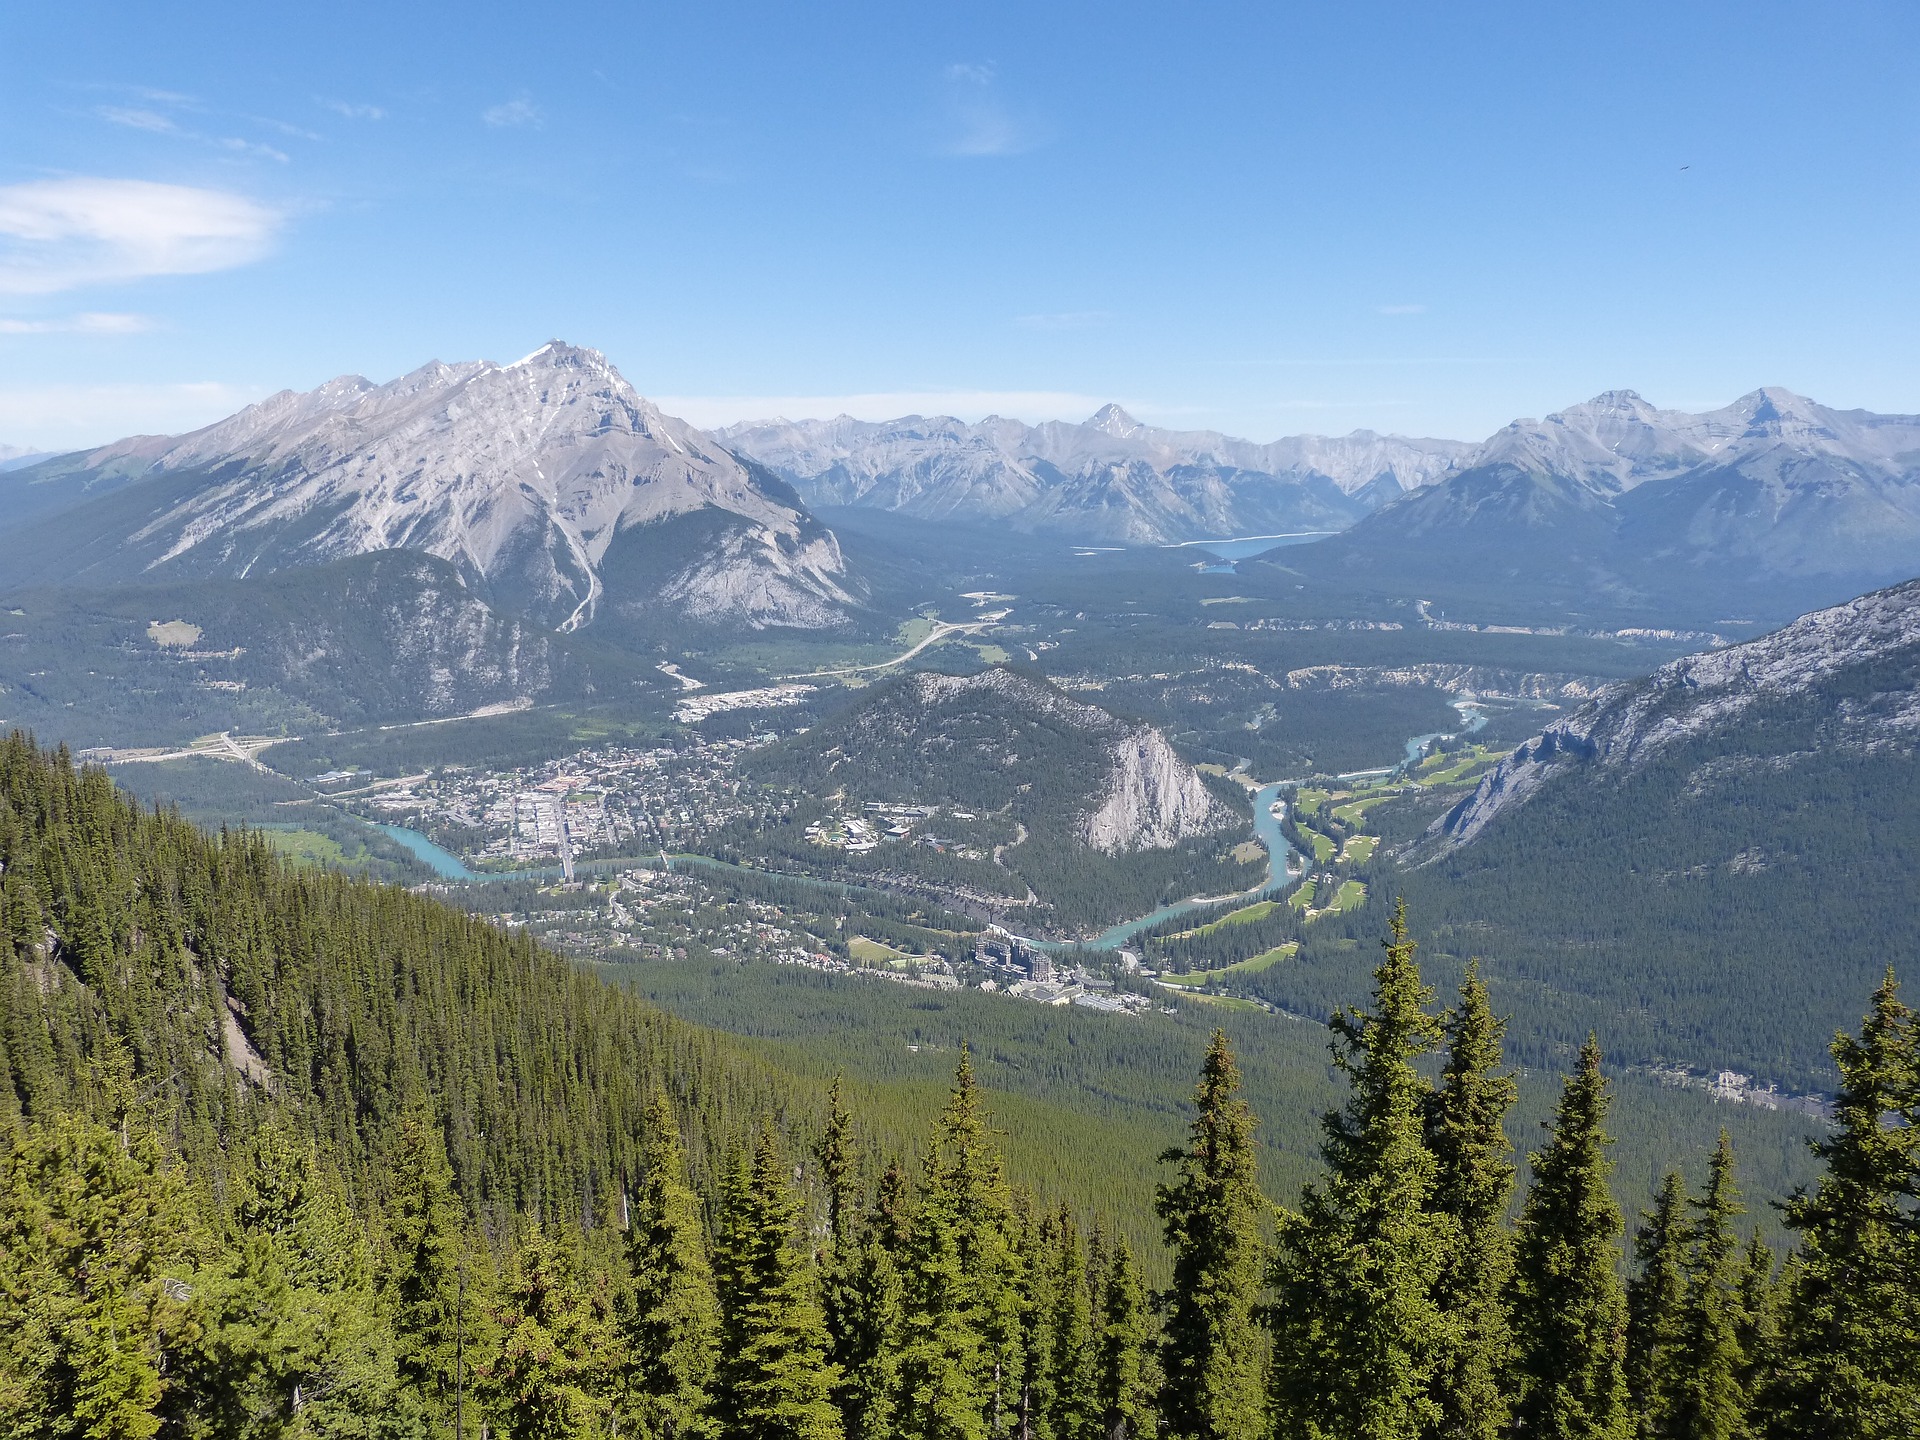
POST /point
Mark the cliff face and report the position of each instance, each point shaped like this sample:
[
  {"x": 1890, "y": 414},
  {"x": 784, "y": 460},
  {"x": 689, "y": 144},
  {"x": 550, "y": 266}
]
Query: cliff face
[
  {"x": 1854, "y": 665},
  {"x": 1153, "y": 799}
]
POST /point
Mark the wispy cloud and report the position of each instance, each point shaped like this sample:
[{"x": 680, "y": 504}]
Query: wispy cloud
[
  {"x": 708, "y": 411},
  {"x": 1064, "y": 320},
  {"x": 978, "y": 121},
  {"x": 1399, "y": 309},
  {"x": 154, "y": 119},
  {"x": 91, "y": 322},
  {"x": 253, "y": 147},
  {"x": 137, "y": 119},
  {"x": 354, "y": 111},
  {"x": 514, "y": 113},
  {"x": 64, "y": 234},
  {"x": 71, "y": 417}
]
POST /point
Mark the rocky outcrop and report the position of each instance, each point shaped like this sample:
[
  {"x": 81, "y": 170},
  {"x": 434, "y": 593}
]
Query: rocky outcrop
[
  {"x": 1858, "y": 662},
  {"x": 1153, "y": 800}
]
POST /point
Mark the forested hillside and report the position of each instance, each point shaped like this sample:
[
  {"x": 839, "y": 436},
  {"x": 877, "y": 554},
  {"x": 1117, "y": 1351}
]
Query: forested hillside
[{"x": 290, "y": 1154}]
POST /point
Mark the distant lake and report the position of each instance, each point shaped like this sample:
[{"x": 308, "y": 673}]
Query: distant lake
[{"x": 1239, "y": 547}]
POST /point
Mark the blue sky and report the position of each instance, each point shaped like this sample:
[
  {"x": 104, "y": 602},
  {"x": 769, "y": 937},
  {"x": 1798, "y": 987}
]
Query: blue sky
[{"x": 1266, "y": 219}]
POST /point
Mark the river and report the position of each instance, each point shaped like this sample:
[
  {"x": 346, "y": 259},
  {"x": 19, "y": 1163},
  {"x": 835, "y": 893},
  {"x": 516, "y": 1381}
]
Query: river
[{"x": 1265, "y": 828}]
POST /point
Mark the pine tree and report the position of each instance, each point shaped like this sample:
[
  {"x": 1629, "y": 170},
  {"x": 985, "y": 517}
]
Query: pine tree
[
  {"x": 287, "y": 1332},
  {"x": 1757, "y": 1327},
  {"x": 669, "y": 1317},
  {"x": 1213, "y": 1352},
  {"x": 1357, "y": 1331},
  {"x": 962, "y": 1353},
  {"x": 774, "y": 1381},
  {"x": 1711, "y": 1404},
  {"x": 1656, "y": 1299},
  {"x": 1125, "y": 1383},
  {"x": 552, "y": 1376},
  {"x": 1059, "y": 1403},
  {"x": 867, "y": 1324},
  {"x": 1851, "y": 1352},
  {"x": 1567, "y": 1303},
  {"x": 423, "y": 1270},
  {"x": 96, "y": 1243},
  {"x": 1473, "y": 1185}
]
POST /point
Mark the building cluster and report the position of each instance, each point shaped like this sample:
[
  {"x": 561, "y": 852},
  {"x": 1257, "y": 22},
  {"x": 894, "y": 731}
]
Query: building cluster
[
  {"x": 605, "y": 799},
  {"x": 693, "y": 707},
  {"x": 879, "y": 822}
]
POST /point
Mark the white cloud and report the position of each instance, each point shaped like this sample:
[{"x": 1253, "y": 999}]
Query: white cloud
[
  {"x": 135, "y": 119},
  {"x": 63, "y": 234},
  {"x": 709, "y": 411},
  {"x": 353, "y": 111},
  {"x": 515, "y": 112},
  {"x": 91, "y": 322},
  {"x": 1064, "y": 320},
  {"x": 1400, "y": 309},
  {"x": 253, "y": 147},
  {"x": 73, "y": 417},
  {"x": 978, "y": 121}
]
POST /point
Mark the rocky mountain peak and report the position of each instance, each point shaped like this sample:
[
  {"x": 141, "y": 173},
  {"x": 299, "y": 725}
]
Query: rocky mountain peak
[
  {"x": 522, "y": 475},
  {"x": 1112, "y": 420}
]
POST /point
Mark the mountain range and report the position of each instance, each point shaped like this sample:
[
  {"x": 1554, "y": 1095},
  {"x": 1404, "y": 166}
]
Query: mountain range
[
  {"x": 1772, "y": 504},
  {"x": 556, "y": 491},
  {"x": 560, "y": 494},
  {"x": 1111, "y": 479}
]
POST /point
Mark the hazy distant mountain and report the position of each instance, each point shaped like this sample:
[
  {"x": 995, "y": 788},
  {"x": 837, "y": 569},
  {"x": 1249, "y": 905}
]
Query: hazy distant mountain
[
  {"x": 13, "y": 457},
  {"x": 554, "y": 488},
  {"x": 1630, "y": 502},
  {"x": 1110, "y": 479}
]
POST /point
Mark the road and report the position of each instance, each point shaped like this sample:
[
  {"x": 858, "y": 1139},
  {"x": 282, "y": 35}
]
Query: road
[{"x": 942, "y": 630}]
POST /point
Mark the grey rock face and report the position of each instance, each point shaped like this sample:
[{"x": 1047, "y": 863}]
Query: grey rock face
[
  {"x": 522, "y": 475},
  {"x": 1149, "y": 799},
  {"x": 1110, "y": 479},
  {"x": 1627, "y": 725}
]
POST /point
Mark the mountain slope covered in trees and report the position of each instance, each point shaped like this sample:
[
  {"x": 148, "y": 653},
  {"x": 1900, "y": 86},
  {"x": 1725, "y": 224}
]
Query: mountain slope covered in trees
[
  {"x": 1719, "y": 855},
  {"x": 292, "y": 1155}
]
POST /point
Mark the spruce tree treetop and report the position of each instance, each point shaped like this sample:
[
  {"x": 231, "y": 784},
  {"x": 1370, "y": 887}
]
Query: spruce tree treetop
[
  {"x": 1852, "y": 1318},
  {"x": 1656, "y": 1297},
  {"x": 1213, "y": 1352},
  {"x": 1359, "y": 1333},
  {"x": 1473, "y": 1186},
  {"x": 1569, "y": 1308}
]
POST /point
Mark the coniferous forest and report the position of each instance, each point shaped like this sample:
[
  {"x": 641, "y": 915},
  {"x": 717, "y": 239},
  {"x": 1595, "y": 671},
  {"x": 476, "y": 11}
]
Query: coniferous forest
[{"x": 291, "y": 1154}]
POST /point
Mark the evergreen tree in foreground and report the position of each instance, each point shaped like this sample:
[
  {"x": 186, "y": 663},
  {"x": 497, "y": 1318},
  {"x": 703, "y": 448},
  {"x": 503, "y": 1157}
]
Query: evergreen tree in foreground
[
  {"x": 1473, "y": 1184},
  {"x": 1656, "y": 1297},
  {"x": 962, "y": 1357},
  {"x": 552, "y": 1376},
  {"x": 1125, "y": 1381},
  {"x": 774, "y": 1380},
  {"x": 1568, "y": 1307},
  {"x": 1711, "y": 1403},
  {"x": 669, "y": 1317},
  {"x": 867, "y": 1318},
  {"x": 432, "y": 1314},
  {"x": 1851, "y": 1320},
  {"x": 1213, "y": 1354},
  {"x": 1357, "y": 1331}
]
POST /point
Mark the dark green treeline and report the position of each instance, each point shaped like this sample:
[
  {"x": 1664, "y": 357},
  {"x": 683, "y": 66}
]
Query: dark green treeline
[{"x": 294, "y": 1156}]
